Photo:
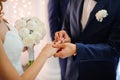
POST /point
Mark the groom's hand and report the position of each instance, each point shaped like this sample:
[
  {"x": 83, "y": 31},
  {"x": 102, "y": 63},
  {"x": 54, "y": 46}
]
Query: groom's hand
[
  {"x": 62, "y": 36},
  {"x": 65, "y": 50}
]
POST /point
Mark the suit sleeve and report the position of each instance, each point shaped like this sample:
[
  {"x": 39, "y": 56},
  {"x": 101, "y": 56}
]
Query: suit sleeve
[
  {"x": 102, "y": 51},
  {"x": 54, "y": 17}
]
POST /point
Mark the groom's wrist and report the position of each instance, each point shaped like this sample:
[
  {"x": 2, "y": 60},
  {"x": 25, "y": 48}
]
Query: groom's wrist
[{"x": 74, "y": 50}]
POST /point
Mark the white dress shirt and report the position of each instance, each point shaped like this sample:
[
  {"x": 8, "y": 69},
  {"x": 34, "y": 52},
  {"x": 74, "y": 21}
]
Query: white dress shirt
[{"x": 87, "y": 8}]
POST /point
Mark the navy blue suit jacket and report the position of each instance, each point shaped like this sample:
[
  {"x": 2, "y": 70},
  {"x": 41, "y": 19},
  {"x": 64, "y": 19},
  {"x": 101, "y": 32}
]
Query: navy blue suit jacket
[
  {"x": 98, "y": 45},
  {"x": 56, "y": 13}
]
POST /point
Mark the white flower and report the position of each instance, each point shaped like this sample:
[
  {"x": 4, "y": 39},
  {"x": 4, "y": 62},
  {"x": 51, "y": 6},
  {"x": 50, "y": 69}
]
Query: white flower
[
  {"x": 30, "y": 29},
  {"x": 23, "y": 32},
  {"x": 28, "y": 41},
  {"x": 20, "y": 23},
  {"x": 31, "y": 25},
  {"x": 101, "y": 14},
  {"x": 37, "y": 36}
]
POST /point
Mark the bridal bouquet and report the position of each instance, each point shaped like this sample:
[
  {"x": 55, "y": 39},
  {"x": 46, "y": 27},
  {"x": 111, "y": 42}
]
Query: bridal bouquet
[{"x": 31, "y": 30}]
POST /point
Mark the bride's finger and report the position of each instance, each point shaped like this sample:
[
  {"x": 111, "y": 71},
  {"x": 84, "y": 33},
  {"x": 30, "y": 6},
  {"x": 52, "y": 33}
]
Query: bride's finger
[{"x": 57, "y": 55}]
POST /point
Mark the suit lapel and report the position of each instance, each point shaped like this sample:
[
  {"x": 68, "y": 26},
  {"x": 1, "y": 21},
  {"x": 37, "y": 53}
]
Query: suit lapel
[
  {"x": 81, "y": 9},
  {"x": 76, "y": 16},
  {"x": 98, "y": 6},
  {"x": 79, "y": 13}
]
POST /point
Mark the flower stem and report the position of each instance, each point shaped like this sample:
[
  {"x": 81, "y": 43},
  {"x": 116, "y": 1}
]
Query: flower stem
[{"x": 31, "y": 62}]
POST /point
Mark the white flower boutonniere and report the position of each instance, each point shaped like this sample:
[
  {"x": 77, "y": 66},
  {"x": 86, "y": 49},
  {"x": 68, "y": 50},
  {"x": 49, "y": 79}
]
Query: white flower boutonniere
[{"x": 101, "y": 14}]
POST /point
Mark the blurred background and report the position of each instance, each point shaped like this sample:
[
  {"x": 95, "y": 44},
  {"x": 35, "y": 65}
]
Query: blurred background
[{"x": 15, "y": 9}]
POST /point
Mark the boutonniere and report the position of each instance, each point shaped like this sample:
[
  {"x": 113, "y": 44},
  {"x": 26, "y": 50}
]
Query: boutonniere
[{"x": 101, "y": 14}]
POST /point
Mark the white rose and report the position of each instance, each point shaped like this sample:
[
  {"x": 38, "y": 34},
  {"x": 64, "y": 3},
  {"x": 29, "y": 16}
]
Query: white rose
[
  {"x": 23, "y": 32},
  {"x": 37, "y": 36},
  {"x": 26, "y": 18},
  {"x": 37, "y": 21},
  {"x": 28, "y": 41},
  {"x": 101, "y": 14},
  {"x": 31, "y": 25},
  {"x": 41, "y": 29},
  {"x": 20, "y": 24}
]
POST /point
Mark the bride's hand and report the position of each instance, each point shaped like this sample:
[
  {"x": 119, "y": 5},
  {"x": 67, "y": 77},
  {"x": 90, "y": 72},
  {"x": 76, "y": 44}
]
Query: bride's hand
[{"x": 48, "y": 50}]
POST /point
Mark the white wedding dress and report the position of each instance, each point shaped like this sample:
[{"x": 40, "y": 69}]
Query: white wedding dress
[{"x": 13, "y": 48}]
